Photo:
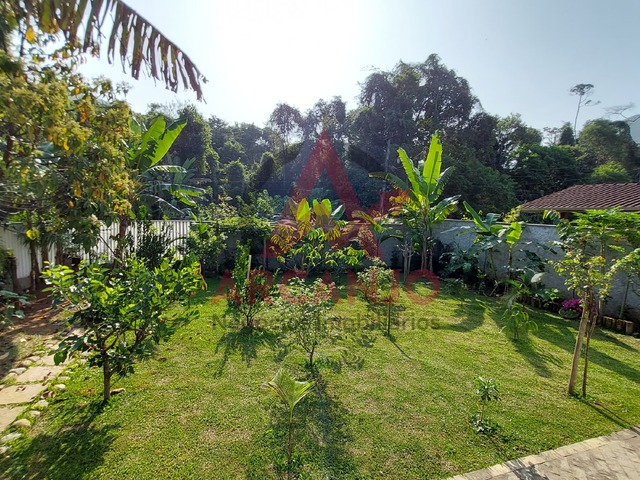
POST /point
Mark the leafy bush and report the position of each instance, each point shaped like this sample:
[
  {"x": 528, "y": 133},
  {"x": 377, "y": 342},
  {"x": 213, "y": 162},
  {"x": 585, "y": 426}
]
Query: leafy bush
[
  {"x": 153, "y": 244},
  {"x": 380, "y": 288},
  {"x": 10, "y": 307},
  {"x": 119, "y": 310},
  {"x": 465, "y": 265},
  {"x": 517, "y": 319},
  {"x": 206, "y": 245},
  {"x": 303, "y": 310},
  {"x": 250, "y": 292}
]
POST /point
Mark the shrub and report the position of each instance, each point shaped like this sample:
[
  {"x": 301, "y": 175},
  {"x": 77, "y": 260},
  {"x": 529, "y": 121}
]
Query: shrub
[
  {"x": 250, "y": 292},
  {"x": 206, "y": 245},
  {"x": 303, "y": 312},
  {"x": 119, "y": 310}
]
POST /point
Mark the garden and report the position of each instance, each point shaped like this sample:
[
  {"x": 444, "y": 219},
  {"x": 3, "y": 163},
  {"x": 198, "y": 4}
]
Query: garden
[
  {"x": 334, "y": 364},
  {"x": 291, "y": 332}
]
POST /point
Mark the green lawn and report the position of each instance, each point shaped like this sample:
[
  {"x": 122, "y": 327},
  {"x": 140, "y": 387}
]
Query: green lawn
[{"x": 382, "y": 407}]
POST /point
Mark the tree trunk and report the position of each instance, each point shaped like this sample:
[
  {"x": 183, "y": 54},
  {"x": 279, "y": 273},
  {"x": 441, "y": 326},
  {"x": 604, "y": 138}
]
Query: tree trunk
[
  {"x": 290, "y": 444},
  {"x": 313, "y": 349},
  {"x": 106, "y": 376},
  {"x": 578, "y": 348},
  {"x": 123, "y": 225},
  {"x": 35, "y": 266},
  {"x": 592, "y": 328}
]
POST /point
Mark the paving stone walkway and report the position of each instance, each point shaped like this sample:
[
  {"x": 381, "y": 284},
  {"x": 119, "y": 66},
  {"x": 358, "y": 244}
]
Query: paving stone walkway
[
  {"x": 25, "y": 384},
  {"x": 611, "y": 457}
]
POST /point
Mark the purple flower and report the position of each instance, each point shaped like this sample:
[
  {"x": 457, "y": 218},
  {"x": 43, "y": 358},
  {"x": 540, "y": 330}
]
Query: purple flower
[{"x": 573, "y": 304}]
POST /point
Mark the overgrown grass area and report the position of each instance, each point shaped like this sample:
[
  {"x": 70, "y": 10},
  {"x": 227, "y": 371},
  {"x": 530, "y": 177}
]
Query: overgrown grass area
[{"x": 382, "y": 407}]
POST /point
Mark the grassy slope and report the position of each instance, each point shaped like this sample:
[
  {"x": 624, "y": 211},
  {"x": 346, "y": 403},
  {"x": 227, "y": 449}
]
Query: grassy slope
[{"x": 382, "y": 408}]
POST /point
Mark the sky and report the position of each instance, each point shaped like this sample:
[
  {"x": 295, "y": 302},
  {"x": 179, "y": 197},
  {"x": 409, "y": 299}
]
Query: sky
[{"x": 519, "y": 56}]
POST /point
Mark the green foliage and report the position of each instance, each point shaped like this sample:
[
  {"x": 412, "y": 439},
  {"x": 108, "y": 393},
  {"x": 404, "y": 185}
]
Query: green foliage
[
  {"x": 11, "y": 305},
  {"x": 487, "y": 391},
  {"x": 250, "y": 292},
  {"x": 380, "y": 288},
  {"x": 464, "y": 265},
  {"x": 119, "y": 310},
  {"x": 4, "y": 264},
  {"x": 594, "y": 243},
  {"x": 517, "y": 320},
  {"x": 303, "y": 312},
  {"x": 236, "y": 179},
  {"x": 153, "y": 245},
  {"x": 206, "y": 245},
  {"x": 610, "y": 172},
  {"x": 163, "y": 185},
  {"x": 490, "y": 235},
  {"x": 290, "y": 392},
  {"x": 316, "y": 238},
  {"x": 604, "y": 141},
  {"x": 418, "y": 204}
]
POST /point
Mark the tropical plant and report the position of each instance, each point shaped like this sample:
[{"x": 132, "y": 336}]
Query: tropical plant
[
  {"x": 596, "y": 244},
  {"x": 464, "y": 264},
  {"x": 517, "y": 320},
  {"x": 156, "y": 185},
  {"x": 290, "y": 392},
  {"x": 315, "y": 239},
  {"x": 376, "y": 222},
  {"x": 119, "y": 310},
  {"x": 490, "y": 234},
  {"x": 418, "y": 204},
  {"x": 250, "y": 292},
  {"x": 303, "y": 310},
  {"x": 487, "y": 391}
]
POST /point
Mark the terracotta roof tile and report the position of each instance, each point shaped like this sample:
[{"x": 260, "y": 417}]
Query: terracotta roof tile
[{"x": 589, "y": 197}]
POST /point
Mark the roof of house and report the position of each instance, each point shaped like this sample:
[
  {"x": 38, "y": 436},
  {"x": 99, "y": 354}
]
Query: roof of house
[{"x": 589, "y": 197}]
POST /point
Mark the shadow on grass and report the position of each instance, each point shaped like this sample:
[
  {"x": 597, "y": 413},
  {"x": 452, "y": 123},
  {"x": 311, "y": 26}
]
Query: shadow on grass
[
  {"x": 471, "y": 312},
  {"x": 537, "y": 357},
  {"x": 246, "y": 342},
  {"x": 562, "y": 333},
  {"x": 605, "y": 412},
  {"x": 614, "y": 340},
  {"x": 392, "y": 338},
  {"x": 69, "y": 453}
]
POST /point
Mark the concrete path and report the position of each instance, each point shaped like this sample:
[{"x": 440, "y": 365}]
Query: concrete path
[{"x": 611, "y": 457}]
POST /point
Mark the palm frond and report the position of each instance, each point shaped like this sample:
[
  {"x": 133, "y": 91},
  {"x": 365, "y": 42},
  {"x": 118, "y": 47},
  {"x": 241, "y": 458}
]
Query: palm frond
[{"x": 132, "y": 39}]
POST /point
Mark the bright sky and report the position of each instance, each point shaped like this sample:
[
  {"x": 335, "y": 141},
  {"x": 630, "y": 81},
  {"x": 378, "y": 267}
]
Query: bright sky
[{"x": 519, "y": 56}]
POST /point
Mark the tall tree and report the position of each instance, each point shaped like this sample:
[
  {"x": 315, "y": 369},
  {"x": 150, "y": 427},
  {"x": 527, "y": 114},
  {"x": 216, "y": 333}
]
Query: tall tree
[
  {"x": 603, "y": 141},
  {"x": 583, "y": 91},
  {"x": 287, "y": 122},
  {"x": 512, "y": 133}
]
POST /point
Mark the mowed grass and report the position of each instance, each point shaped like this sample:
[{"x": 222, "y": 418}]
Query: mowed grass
[{"x": 382, "y": 407}]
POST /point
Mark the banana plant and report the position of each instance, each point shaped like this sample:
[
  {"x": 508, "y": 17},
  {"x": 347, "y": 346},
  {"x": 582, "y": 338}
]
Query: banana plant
[
  {"x": 490, "y": 234},
  {"x": 419, "y": 204},
  {"x": 154, "y": 180},
  {"x": 290, "y": 392}
]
